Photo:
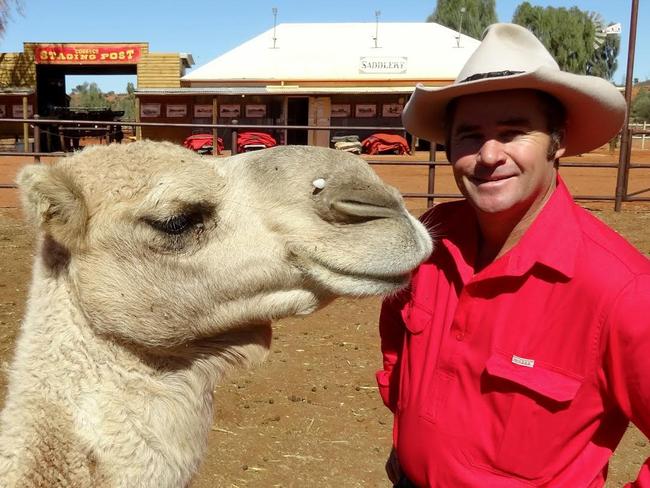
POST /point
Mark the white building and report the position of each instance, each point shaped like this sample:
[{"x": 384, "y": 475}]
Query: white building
[{"x": 325, "y": 74}]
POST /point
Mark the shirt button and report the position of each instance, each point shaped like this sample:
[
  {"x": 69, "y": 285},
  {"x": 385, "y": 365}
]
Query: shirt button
[{"x": 460, "y": 336}]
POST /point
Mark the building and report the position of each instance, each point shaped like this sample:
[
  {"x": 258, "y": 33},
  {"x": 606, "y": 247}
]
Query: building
[
  {"x": 33, "y": 81},
  {"x": 344, "y": 75},
  {"x": 319, "y": 74}
]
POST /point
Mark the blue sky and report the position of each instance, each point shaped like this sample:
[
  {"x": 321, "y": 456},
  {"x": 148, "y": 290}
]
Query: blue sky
[{"x": 208, "y": 28}]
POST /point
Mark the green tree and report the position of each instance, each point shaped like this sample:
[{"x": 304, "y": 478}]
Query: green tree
[
  {"x": 568, "y": 34},
  {"x": 604, "y": 60},
  {"x": 126, "y": 103},
  {"x": 477, "y": 16},
  {"x": 641, "y": 107},
  {"x": 88, "y": 95}
]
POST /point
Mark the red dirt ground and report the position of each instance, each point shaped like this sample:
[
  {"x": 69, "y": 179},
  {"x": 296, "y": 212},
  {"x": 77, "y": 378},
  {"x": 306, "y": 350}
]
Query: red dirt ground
[{"x": 311, "y": 415}]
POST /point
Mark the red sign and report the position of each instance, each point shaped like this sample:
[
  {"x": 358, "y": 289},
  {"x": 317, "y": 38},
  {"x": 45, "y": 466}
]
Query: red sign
[{"x": 87, "y": 53}]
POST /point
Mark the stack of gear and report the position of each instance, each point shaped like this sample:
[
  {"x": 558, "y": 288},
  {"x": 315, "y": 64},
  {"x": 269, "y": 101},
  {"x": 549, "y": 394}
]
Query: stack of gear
[
  {"x": 385, "y": 144},
  {"x": 252, "y": 141},
  {"x": 347, "y": 143},
  {"x": 202, "y": 143}
]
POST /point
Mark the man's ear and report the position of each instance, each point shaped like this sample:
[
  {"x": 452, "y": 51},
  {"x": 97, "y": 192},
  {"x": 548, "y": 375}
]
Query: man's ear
[
  {"x": 561, "y": 146},
  {"x": 54, "y": 203}
]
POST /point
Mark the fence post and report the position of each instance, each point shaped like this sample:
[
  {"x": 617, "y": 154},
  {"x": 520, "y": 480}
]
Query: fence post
[
  {"x": 432, "y": 174},
  {"x": 37, "y": 140},
  {"x": 215, "y": 136},
  {"x": 645, "y": 125},
  {"x": 623, "y": 168},
  {"x": 233, "y": 142},
  {"x": 25, "y": 125}
]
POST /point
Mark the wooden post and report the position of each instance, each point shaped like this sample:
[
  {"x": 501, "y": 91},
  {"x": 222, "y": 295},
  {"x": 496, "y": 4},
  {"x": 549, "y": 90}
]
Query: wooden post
[
  {"x": 432, "y": 174},
  {"x": 37, "y": 141},
  {"x": 233, "y": 142},
  {"x": 645, "y": 126},
  {"x": 138, "y": 129},
  {"x": 215, "y": 138},
  {"x": 25, "y": 125},
  {"x": 62, "y": 139},
  {"x": 624, "y": 155}
]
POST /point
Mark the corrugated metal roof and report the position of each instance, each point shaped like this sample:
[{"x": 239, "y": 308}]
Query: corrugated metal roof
[
  {"x": 344, "y": 51},
  {"x": 274, "y": 90},
  {"x": 15, "y": 90}
]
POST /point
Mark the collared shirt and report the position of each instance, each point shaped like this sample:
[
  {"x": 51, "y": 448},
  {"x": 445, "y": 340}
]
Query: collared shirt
[{"x": 527, "y": 372}]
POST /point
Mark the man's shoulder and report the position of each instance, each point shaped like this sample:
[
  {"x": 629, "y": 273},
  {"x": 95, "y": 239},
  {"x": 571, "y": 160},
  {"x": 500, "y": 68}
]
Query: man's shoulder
[{"x": 608, "y": 247}]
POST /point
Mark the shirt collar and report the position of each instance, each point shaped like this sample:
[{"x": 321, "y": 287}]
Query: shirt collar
[{"x": 552, "y": 240}]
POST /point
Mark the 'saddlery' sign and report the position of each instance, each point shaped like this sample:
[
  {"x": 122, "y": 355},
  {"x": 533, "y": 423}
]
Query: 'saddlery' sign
[
  {"x": 378, "y": 64},
  {"x": 87, "y": 53}
]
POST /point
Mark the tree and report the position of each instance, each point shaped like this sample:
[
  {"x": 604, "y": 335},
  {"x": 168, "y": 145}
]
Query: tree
[
  {"x": 604, "y": 60},
  {"x": 7, "y": 8},
  {"x": 477, "y": 16},
  {"x": 88, "y": 95},
  {"x": 568, "y": 34},
  {"x": 641, "y": 106},
  {"x": 126, "y": 102}
]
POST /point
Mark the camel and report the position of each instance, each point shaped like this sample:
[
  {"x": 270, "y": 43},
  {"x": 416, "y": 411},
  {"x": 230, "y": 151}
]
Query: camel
[{"x": 157, "y": 272}]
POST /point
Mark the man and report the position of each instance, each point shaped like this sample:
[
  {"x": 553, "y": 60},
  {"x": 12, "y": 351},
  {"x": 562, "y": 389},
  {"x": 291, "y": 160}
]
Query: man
[{"x": 521, "y": 350}]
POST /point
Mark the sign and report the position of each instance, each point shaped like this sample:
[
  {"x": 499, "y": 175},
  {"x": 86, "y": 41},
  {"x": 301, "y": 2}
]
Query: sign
[
  {"x": 17, "y": 112},
  {"x": 87, "y": 53},
  {"x": 150, "y": 110},
  {"x": 255, "y": 111},
  {"x": 613, "y": 29},
  {"x": 382, "y": 65},
  {"x": 391, "y": 109},
  {"x": 201, "y": 111},
  {"x": 365, "y": 110},
  {"x": 229, "y": 111},
  {"x": 340, "y": 110},
  {"x": 176, "y": 110}
]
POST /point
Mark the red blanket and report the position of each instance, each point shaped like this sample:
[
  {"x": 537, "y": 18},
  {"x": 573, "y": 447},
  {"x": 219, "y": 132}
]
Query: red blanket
[
  {"x": 384, "y": 144},
  {"x": 197, "y": 142},
  {"x": 254, "y": 140}
]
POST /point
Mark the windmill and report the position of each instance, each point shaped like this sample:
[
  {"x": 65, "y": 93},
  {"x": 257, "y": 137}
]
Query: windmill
[{"x": 601, "y": 31}]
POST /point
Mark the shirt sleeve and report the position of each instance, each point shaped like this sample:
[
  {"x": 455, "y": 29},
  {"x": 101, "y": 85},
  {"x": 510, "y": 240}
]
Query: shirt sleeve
[
  {"x": 391, "y": 331},
  {"x": 628, "y": 360}
]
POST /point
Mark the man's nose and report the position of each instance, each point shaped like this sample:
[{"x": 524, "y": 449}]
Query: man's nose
[{"x": 491, "y": 153}]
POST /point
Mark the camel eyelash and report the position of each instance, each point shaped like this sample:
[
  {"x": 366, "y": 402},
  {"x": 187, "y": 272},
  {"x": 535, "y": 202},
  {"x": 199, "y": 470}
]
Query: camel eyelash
[{"x": 177, "y": 224}]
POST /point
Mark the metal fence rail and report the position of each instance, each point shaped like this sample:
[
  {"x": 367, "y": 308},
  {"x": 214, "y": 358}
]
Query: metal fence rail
[{"x": 623, "y": 167}]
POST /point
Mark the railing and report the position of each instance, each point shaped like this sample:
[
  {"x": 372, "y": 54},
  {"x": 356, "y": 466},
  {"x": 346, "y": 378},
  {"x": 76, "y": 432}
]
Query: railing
[{"x": 623, "y": 167}]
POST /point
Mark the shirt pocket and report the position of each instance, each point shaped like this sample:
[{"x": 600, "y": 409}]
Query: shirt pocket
[
  {"x": 417, "y": 317},
  {"x": 539, "y": 422}
]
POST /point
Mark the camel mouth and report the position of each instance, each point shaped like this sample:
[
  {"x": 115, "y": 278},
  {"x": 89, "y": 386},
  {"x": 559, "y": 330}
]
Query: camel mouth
[{"x": 355, "y": 282}]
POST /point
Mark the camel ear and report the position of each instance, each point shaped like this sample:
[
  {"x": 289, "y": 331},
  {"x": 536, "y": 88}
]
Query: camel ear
[{"x": 54, "y": 203}]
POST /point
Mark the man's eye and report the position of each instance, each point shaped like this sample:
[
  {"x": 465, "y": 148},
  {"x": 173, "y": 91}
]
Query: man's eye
[{"x": 176, "y": 224}]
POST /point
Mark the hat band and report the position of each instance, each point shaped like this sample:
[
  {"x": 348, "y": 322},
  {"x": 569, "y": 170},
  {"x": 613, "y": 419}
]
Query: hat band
[{"x": 490, "y": 74}]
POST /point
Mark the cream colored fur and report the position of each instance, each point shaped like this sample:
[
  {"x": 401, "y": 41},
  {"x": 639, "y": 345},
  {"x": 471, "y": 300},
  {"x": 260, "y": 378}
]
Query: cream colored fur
[{"x": 132, "y": 318}]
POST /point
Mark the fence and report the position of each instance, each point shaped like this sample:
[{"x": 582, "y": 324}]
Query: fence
[
  {"x": 623, "y": 167},
  {"x": 641, "y": 131}
]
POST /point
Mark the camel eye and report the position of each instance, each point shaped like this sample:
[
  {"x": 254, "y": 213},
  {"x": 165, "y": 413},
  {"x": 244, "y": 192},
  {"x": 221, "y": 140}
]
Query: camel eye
[{"x": 177, "y": 224}]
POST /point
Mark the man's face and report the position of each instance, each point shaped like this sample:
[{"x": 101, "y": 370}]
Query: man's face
[{"x": 498, "y": 147}]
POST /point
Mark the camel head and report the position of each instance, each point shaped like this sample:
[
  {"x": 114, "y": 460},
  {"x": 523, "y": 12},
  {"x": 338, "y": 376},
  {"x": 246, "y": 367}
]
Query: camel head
[{"x": 161, "y": 247}]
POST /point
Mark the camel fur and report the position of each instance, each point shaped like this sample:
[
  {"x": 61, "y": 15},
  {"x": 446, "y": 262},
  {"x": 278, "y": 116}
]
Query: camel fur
[{"x": 157, "y": 271}]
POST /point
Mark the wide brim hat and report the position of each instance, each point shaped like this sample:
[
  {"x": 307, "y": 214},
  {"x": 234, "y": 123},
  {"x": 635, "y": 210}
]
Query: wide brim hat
[{"x": 510, "y": 57}]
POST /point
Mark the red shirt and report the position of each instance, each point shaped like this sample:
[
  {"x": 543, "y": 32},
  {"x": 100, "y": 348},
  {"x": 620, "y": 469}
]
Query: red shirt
[{"x": 526, "y": 373}]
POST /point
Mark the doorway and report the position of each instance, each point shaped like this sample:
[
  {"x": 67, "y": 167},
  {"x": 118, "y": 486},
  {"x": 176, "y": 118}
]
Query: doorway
[{"x": 297, "y": 114}]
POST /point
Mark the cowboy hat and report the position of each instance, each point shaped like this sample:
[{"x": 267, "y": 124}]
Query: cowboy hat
[{"x": 510, "y": 57}]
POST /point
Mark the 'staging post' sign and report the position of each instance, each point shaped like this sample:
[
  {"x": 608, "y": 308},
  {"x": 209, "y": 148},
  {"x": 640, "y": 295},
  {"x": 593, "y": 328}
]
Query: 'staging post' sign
[{"x": 87, "y": 53}]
